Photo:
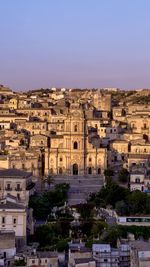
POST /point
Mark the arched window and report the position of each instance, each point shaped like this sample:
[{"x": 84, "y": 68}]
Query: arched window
[
  {"x": 90, "y": 170},
  {"x": 90, "y": 159},
  {"x": 60, "y": 159},
  {"x": 137, "y": 180},
  {"x": 75, "y": 145},
  {"x": 75, "y": 128}
]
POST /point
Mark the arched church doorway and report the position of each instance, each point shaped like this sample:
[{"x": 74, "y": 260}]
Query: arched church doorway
[
  {"x": 75, "y": 169},
  {"x": 90, "y": 170}
]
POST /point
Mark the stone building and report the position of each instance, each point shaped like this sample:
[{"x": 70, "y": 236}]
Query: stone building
[
  {"x": 42, "y": 258},
  {"x": 29, "y": 161},
  {"x": 102, "y": 101},
  {"x": 17, "y": 184},
  {"x": 72, "y": 153},
  {"x": 39, "y": 140},
  {"x": 7, "y": 244},
  {"x": 13, "y": 103},
  {"x": 106, "y": 256},
  {"x": 13, "y": 218},
  {"x": 140, "y": 254},
  {"x": 78, "y": 253}
]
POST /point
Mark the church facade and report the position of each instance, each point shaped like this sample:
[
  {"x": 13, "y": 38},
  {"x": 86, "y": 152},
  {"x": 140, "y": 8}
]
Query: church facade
[{"x": 72, "y": 152}]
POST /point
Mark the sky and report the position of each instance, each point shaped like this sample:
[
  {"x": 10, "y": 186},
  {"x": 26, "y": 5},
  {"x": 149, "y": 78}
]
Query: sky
[{"x": 74, "y": 43}]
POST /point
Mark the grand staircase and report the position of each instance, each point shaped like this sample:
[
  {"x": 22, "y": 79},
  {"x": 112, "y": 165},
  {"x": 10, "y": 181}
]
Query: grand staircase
[{"x": 80, "y": 186}]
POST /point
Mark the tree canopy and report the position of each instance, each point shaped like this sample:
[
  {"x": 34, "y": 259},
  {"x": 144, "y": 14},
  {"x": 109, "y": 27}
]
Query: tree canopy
[
  {"x": 121, "y": 199},
  {"x": 43, "y": 204}
]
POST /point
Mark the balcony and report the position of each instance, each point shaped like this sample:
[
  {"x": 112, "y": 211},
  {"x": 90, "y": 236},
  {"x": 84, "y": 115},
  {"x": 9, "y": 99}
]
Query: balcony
[
  {"x": 144, "y": 128},
  {"x": 136, "y": 183},
  {"x": 8, "y": 189},
  {"x": 18, "y": 189}
]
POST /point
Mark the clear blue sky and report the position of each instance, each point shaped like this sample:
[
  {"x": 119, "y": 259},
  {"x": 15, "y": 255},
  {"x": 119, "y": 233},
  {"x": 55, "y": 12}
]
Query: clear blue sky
[{"x": 75, "y": 43}]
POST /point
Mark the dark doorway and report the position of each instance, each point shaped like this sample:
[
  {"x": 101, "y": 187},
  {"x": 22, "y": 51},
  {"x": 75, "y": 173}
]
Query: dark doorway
[
  {"x": 99, "y": 170},
  {"x": 75, "y": 169},
  {"x": 90, "y": 170}
]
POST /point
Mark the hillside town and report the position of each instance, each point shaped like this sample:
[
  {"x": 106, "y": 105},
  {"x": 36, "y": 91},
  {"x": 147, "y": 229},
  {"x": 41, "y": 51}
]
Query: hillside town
[{"x": 75, "y": 177}]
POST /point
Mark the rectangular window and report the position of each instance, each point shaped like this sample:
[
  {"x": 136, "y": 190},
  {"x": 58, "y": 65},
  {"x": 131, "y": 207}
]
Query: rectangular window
[
  {"x": 14, "y": 220},
  {"x": 8, "y": 186},
  {"x": 3, "y": 220},
  {"x": 18, "y": 186}
]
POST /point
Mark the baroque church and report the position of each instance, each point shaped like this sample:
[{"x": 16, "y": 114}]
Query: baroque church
[{"x": 77, "y": 150}]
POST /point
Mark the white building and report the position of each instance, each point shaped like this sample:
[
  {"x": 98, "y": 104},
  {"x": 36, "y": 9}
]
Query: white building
[
  {"x": 16, "y": 183},
  {"x": 43, "y": 258},
  {"x": 137, "y": 180},
  {"x": 140, "y": 254},
  {"x": 133, "y": 220},
  {"x": 7, "y": 245},
  {"x": 105, "y": 256},
  {"x": 13, "y": 217}
]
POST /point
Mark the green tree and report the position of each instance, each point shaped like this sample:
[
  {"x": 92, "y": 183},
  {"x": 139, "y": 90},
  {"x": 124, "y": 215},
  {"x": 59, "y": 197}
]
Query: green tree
[
  {"x": 97, "y": 228},
  {"x": 40, "y": 206},
  {"x": 20, "y": 262},
  {"x": 86, "y": 227},
  {"x": 124, "y": 176},
  {"x": 112, "y": 193},
  {"x": 44, "y": 235},
  {"x": 137, "y": 202},
  {"x": 108, "y": 175},
  {"x": 109, "y": 195},
  {"x": 111, "y": 236},
  {"x": 43, "y": 204},
  {"x": 121, "y": 208},
  {"x": 62, "y": 245},
  {"x": 108, "y": 172},
  {"x": 86, "y": 210}
]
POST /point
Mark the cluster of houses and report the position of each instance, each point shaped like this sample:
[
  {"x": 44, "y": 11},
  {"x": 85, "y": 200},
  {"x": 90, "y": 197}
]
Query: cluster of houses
[{"x": 67, "y": 133}]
